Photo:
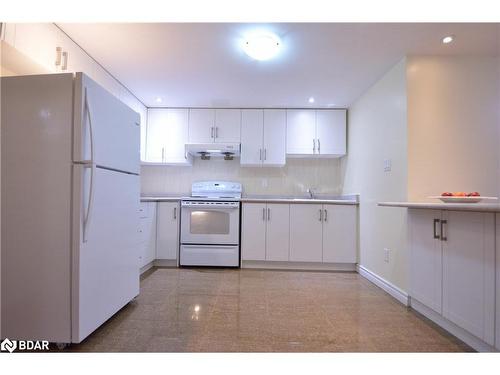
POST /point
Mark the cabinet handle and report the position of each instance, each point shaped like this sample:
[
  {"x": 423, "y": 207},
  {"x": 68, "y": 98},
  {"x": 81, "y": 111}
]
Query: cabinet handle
[
  {"x": 163, "y": 154},
  {"x": 319, "y": 147},
  {"x": 320, "y": 214},
  {"x": 436, "y": 236},
  {"x": 326, "y": 215},
  {"x": 175, "y": 213},
  {"x": 216, "y": 132},
  {"x": 58, "y": 55},
  {"x": 265, "y": 154},
  {"x": 314, "y": 146},
  {"x": 264, "y": 214},
  {"x": 268, "y": 214},
  {"x": 212, "y": 132},
  {"x": 65, "y": 59},
  {"x": 260, "y": 154},
  {"x": 443, "y": 237}
]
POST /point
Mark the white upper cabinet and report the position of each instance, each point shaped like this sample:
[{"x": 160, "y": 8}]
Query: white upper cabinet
[
  {"x": 227, "y": 126},
  {"x": 274, "y": 138},
  {"x": 167, "y": 134},
  {"x": 201, "y": 125},
  {"x": 331, "y": 132},
  {"x": 39, "y": 41},
  {"x": 9, "y": 33},
  {"x": 319, "y": 132},
  {"x": 263, "y": 137},
  {"x": 252, "y": 135},
  {"x": 301, "y": 132}
]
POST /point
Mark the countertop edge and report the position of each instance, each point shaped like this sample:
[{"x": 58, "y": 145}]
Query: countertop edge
[
  {"x": 263, "y": 200},
  {"x": 475, "y": 207}
]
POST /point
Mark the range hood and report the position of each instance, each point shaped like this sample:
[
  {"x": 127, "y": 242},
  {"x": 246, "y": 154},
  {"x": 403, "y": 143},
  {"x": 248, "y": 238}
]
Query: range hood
[{"x": 209, "y": 150}]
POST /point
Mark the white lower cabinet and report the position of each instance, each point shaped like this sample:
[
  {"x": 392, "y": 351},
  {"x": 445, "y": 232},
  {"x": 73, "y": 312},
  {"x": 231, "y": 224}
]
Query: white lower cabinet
[
  {"x": 147, "y": 232},
  {"x": 277, "y": 232},
  {"x": 452, "y": 265},
  {"x": 306, "y": 232},
  {"x": 167, "y": 237},
  {"x": 339, "y": 234},
  {"x": 265, "y": 232}
]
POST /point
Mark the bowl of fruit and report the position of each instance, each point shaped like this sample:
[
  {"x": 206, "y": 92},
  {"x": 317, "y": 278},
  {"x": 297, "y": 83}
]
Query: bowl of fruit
[{"x": 462, "y": 197}]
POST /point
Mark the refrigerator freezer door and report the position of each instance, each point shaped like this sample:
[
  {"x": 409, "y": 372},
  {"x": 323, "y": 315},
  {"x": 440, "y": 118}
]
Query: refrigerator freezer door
[
  {"x": 36, "y": 120},
  {"x": 106, "y": 262},
  {"x": 107, "y": 131}
]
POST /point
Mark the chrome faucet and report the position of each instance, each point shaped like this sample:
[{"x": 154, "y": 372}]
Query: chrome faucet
[{"x": 311, "y": 193}]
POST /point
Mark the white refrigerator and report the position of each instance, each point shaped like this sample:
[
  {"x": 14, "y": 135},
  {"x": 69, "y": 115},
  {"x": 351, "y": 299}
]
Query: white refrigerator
[{"x": 69, "y": 203}]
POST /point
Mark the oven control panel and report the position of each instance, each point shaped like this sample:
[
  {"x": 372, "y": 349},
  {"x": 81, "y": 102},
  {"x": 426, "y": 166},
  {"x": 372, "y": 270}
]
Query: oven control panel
[{"x": 206, "y": 204}]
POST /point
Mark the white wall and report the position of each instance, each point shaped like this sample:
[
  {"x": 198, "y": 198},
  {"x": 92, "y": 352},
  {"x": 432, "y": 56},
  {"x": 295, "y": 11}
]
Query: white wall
[
  {"x": 452, "y": 125},
  {"x": 377, "y": 131},
  {"x": 294, "y": 179}
]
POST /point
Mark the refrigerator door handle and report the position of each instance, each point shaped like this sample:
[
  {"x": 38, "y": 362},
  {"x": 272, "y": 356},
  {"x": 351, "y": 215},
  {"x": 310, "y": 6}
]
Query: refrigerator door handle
[{"x": 92, "y": 166}]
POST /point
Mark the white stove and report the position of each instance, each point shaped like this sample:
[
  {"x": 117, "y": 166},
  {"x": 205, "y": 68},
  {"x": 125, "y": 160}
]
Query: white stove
[{"x": 210, "y": 225}]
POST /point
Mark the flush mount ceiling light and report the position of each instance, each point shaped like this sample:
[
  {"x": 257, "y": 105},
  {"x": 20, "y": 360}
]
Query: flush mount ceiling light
[
  {"x": 261, "y": 45},
  {"x": 158, "y": 100},
  {"x": 311, "y": 100},
  {"x": 448, "y": 39}
]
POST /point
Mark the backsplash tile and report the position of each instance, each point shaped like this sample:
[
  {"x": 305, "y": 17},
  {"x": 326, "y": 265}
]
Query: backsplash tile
[{"x": 323, "y": 175}]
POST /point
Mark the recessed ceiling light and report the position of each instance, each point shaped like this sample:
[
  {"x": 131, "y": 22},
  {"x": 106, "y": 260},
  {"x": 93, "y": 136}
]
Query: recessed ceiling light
[
  {"x": 261, "y": 45},
  {"x": 448, "y": 39},
  {"x": 158, "y": 100},
  {"x": 311, "y": 100}
]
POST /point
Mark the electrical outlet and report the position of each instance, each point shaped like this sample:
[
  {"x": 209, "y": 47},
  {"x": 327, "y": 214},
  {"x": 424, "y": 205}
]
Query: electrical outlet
[
  {"x": 387, "y": 165},
  {"x": 386, "y": 255}
]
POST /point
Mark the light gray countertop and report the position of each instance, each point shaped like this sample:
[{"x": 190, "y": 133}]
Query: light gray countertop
[
  {"x": 477, "y": 207},
  {"x": 320, "y": 199}
]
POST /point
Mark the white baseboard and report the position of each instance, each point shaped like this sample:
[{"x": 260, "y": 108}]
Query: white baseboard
[
  {"x": 165, "y": 262},
  {"x": 382, "y": 283},
  {"x": 460, "y": 333},
  {"x": 146, "y": 267},
  {"x": 298, "y": 266}
]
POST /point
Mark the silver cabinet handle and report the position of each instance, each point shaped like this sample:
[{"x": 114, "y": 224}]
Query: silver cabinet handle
[
  {"x": 58, "y": 55},
  {"x": 326, "y": 215},
  {"x": 260, "y": 154},
  {"x": 65, "y": 59},
  {"x": 264, "y": 214},
  {"x": 212, "y": 132},
  {"x": 175, "y": 213},
  {"x": 436, "y": 236},
  {"x": 265, "y": 154},
  {"x": 319, "y": 146},
  {"x": 443, "y": 237},
  {"x": 314, "y": 145},
  {"x": 320, "y": 214},
  {"x": 216, "y": 132},
  {"x": 163, "y": 154},
  {"x": 268, "y": 214}
]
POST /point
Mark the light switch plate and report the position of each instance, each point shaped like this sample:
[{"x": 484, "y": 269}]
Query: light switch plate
[{"x": 387, "y": 165}]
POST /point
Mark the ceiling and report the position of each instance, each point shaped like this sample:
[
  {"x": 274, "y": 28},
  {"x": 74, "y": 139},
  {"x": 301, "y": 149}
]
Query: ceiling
[{"x": 203, "y": 64}]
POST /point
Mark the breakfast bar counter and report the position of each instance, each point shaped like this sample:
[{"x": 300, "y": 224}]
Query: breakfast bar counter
[{"x": 476, "y": 207}]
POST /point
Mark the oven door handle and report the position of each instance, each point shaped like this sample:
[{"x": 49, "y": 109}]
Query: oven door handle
[{"x": 210, "y": 207}]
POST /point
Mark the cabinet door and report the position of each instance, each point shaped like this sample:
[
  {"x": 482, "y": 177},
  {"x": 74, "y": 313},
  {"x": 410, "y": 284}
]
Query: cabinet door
[
  {"x": 301, "y": 131},
  {"x": 469, "y": 272},
  {"x": 147, "y": 230},
  {"x": 306, "y": 233},
  {"x": 253, "y": 231},
  {"x": 339, "y": 234},
  {"x": 251, "y": 137},
  {"x": 38, "y": 41},
  {"x": 227, "y": 125},
  {"x": 425, "y": 258},
  {"x": 201, "y": 125},
  {"x": 278, "y": 232},
  {"x": 274, "y": 137},
  {"x": 76, "y": 59},
  {"x": 331, "y": 131},
  {"x": 9, "y": 33},
  {"x": 167, "y": 237},
  {"x": 167, "y": 135}
]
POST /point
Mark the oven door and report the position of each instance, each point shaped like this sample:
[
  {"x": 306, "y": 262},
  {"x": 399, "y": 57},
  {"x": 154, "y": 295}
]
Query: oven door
[{"x": 210, "y": 223}]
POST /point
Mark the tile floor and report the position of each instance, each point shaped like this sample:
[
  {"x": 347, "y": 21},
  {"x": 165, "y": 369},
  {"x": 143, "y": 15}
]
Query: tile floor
[{"x": 210, "y": 310}]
